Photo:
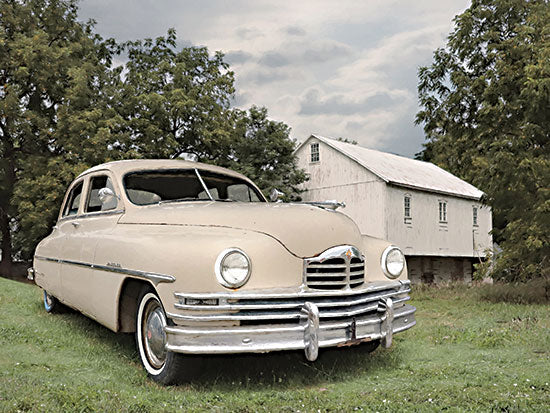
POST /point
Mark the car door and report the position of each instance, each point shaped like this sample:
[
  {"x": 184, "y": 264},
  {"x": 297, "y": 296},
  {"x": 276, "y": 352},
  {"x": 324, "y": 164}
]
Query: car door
[
  {"x": 87, "y": 283},
  {"x": 52, "y": 252},
  {"x": 70, "y": 245},
  {"x": 101, "y": 216}
]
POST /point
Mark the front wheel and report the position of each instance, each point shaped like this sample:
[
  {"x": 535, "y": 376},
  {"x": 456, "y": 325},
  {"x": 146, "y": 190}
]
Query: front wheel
[{"x": 162, "y": 366}]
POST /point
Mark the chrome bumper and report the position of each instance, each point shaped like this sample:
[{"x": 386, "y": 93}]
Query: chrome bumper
[{"x": 324, "y": 320}]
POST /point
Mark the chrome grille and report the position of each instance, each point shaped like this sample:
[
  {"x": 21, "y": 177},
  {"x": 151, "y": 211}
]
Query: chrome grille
[
  {"x": 259, "y": 309},
  {"x": 336, "y": 269}
]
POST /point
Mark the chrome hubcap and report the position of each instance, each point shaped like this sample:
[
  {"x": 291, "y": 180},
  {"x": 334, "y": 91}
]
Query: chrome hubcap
[{"x": 154, "y": 336}]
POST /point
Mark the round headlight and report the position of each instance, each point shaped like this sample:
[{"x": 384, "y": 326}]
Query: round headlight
[
  {"x": 232, "y": 268},
  {"x": 393, "y": 262}
]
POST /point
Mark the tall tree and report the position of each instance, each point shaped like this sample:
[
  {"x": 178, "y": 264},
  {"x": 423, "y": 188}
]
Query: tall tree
[
  {"x": 261, "y": 149},
  {"x": 176, "y": 102},
  {"x": 52, "y": 121},
  {"x": 486, "y": 114}
]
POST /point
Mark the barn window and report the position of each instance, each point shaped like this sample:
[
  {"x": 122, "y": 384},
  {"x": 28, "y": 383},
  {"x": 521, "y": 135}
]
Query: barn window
[
  {"x": 314, "y": 152},
  {"x": 474, "y": 216},
  {"x": 407, "y": 209},
  {"x": 442, "y": 211}
]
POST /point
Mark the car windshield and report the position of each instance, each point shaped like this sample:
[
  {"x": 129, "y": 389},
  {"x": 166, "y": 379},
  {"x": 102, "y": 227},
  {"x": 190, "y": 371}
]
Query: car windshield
[{"x": 152, "y": 187}]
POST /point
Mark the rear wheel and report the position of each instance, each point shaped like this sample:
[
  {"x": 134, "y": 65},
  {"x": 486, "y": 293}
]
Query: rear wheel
[
  {"x": 163, "y": 366},
  {"x": 51, "y": 304}
]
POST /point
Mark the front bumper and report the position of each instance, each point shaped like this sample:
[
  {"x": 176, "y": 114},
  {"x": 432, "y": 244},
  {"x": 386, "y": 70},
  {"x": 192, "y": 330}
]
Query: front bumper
[{"x": 281, "y": 321}]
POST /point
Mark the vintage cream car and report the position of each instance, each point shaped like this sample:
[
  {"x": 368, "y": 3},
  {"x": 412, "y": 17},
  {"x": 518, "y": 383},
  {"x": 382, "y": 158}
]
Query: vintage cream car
[{"x": 193, "y": 259}]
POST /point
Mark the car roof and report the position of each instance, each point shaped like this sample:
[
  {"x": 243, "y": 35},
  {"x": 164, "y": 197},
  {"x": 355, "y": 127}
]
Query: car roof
[{"x": 133, "y": 165}]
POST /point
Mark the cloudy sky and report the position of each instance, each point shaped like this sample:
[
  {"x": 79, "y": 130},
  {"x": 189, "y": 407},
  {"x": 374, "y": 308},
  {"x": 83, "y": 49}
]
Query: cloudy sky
[{"x": 337, "y": 68}]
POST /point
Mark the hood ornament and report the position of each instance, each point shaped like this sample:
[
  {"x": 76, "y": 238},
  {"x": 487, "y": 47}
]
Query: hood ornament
[{"x": 332, "y": 204}]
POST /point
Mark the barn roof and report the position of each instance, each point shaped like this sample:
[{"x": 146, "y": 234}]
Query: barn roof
[{"x": 405, "y": 172}]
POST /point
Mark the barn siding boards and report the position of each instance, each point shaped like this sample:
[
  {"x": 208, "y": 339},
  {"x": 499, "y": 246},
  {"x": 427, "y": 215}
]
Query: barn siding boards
[{"x": 424, "y": 234}]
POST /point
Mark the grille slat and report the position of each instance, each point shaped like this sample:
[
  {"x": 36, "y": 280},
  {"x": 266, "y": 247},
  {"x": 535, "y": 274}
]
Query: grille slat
[
  {"x": 327, "y": 266},
  {"x": 314, "y": 283}
]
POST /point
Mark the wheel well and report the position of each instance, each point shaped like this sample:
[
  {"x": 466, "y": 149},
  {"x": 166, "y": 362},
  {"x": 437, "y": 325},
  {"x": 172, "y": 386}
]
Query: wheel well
[{"x": 127, "y": 304}]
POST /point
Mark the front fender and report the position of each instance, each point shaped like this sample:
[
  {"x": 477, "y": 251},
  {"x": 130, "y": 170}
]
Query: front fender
[
  {"x": 373, "y": 248},
  {"x": 188, "y": 253}
]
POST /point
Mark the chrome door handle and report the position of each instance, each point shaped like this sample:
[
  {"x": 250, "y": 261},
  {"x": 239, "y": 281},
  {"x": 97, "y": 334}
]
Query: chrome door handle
[{"x": 75, "y": 224}]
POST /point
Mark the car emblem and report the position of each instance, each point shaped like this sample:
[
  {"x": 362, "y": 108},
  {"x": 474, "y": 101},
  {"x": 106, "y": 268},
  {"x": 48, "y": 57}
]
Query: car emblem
[{"x": 348, "y": 254}]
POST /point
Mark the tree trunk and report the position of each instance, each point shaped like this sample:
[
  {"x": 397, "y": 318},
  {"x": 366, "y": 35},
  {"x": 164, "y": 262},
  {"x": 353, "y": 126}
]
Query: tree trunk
[
  {"x": 6, "y": 264},
  {"x": 7, "y": 261}
]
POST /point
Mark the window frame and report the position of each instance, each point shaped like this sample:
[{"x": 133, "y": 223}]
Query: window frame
[
  {"x": 257, "y": 190},
  {"x": 475, "y": 215},
  {"x": 69, "y": 199},
  {"x": 442, "y": 209},
  {"x": 407, "y": 208},
  {"x": 89, "y": 192},
  {"x": 317, "y": 152}
]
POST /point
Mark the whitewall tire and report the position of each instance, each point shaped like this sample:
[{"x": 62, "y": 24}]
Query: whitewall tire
[{"x": 162, "y": 366}]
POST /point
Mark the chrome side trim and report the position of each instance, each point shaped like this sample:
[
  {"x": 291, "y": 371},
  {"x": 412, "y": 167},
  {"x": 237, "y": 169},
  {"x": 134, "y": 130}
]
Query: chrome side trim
[{"x": 155, "y": 278}]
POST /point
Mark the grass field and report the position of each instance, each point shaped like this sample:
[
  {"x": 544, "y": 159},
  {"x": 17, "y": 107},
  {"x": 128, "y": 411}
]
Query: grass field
[{"x": 465, "y": 354}]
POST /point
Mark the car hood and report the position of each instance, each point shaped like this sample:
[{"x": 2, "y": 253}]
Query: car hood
[{"x": 304, "y": 230}]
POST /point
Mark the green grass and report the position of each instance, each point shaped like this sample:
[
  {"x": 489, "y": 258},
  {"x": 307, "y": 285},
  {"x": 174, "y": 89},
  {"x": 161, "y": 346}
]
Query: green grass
[{"x": 465, "y": 354}]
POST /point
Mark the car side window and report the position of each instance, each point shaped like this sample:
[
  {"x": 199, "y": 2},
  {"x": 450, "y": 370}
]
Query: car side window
[
  {"x": 95, "y": 203},
  {"x": 73, "y": 200}
]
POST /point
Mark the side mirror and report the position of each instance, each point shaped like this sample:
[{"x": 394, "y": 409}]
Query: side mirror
[
  {"x": 275, "y": 194},
  {"x": 107, "y": 196}
]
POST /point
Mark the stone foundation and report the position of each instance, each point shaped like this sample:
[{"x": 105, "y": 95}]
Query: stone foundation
[{"x": 437, "y": 270}]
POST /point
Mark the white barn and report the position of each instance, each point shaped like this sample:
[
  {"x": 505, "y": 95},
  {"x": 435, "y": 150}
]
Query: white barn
[{"x": 436, "y": 218}]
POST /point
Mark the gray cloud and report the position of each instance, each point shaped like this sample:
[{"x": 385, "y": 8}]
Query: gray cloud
[
  {"x": 294, "y": 31},
  {"x": 304, "y": 53},
  {"x": 266, "y": 76},
  {"x": 274, "y": 59},
  {"x": 325, "y": 52},
  {"x": 314, "y": 104},
  {"x": 247, "y": 33},
  {"x": 236, "y": 57}
]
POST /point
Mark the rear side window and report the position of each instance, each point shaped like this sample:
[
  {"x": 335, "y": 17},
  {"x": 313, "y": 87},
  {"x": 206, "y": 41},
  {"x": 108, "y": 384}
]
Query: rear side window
[
  {"x": 73, "y": 200},
  {"x": 95, "y": 203}
]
